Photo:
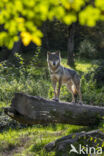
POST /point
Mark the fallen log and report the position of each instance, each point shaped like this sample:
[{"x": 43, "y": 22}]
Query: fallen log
[
  {"x": 37, "y": 110},
  {"x": 91, "y": 138}
]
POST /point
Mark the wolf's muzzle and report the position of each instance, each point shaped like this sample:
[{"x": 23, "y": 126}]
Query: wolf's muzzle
[{"x": 54, "y": 63}]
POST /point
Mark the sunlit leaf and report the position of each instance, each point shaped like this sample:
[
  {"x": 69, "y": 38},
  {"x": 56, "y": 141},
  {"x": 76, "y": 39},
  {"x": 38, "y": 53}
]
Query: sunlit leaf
[
  {"x": 68, "y": 19},
  {"x": 36, "y": 40},
  {"x": 26, "y": 38}
]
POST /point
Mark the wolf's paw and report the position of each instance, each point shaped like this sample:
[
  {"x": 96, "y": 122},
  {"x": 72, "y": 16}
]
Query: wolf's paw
[
  {"x": 73, "y": 102},
  {"x": 56, "y": 99},
  {"x": 80, "y": 102}
]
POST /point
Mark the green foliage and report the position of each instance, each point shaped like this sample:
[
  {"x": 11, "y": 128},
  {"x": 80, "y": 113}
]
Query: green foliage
[
  {"x": 89, "y": 16},
  {"x": 98, "y": 73},
  {"x": 36, "y": 60},
  {"x": 27, "y": 17},
  {"x": 19, "y": 58},
  {"x": 87, "y": 50},
  {"x": 22, "y": 78},
  {"x": 91, "y": 95}
]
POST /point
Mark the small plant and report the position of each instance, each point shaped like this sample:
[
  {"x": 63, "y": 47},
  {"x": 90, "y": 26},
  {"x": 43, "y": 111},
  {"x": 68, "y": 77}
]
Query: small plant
[
  {"x": 36, "y": 59},
  {"x": 19, "y": 58}
]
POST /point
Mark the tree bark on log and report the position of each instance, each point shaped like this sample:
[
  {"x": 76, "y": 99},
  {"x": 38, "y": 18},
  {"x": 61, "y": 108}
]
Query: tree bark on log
[{"x": 37, "y": 110}]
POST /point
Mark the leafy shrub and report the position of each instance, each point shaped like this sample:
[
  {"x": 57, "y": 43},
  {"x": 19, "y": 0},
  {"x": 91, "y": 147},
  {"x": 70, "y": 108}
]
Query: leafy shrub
[
  {"x": 87, "y": 49},
  {"x": 22, "y": 78},
  {"x": 36, "y": 58},
  {"x": 98, "y": 74},
  {"x": 91, "y": 95}
]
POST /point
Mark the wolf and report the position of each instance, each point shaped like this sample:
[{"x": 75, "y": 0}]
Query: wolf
[{"x": 61, "y": 75}]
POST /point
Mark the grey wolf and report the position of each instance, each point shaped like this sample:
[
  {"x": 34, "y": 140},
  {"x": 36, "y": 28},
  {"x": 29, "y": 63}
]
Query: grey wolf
[{"x": 61, "y": 75}]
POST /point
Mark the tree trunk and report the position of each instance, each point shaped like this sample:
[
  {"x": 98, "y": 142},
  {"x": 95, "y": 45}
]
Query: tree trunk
[
  {"x": 36, "y": 110},
  {"x": 45, "y": 39},
  {"x": 16, "y": 47},
  {"x": 70, "y": 46}
]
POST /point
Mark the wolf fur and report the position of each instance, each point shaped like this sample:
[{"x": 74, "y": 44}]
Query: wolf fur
[{"x": 61, "y": 75}]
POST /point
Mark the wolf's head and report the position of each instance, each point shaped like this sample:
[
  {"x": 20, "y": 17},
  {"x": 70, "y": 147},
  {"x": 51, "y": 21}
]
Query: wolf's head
[{"x": 53, "y": 59}]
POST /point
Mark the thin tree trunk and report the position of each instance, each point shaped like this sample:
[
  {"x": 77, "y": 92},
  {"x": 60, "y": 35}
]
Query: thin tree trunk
[
  {"x": 70, "y": 46},
  {"x": 17, "y": 46},
  {"x": 46, "y": 40}
]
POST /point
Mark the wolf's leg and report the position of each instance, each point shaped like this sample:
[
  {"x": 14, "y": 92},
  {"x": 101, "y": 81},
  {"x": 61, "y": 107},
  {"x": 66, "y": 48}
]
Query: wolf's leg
[
  {"x": 59, "y": 87},
  {"x": 80, "y": 95},
  {"x": 77, "y": 85},
  {"x": 54, "y": 87},
  {"x": 76, "y": 81},
  {"x": 70, "y": 90}
]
